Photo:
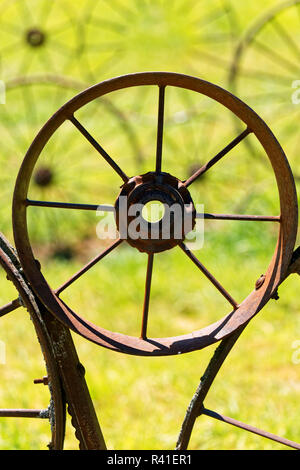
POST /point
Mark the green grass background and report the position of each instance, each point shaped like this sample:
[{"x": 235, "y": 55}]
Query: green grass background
[{"x": 141, "y": 402}]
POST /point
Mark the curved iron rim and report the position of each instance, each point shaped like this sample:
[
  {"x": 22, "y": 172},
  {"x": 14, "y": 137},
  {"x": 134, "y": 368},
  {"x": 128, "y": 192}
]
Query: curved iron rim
[
  {"x": 216, "y": 331},
  {"x": 69, "y": 83}
]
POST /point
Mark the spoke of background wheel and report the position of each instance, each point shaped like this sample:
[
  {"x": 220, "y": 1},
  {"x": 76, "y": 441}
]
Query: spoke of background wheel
[
  {"x": 10, "y": 28},
  {"x": 47, "y": 60},
  {"x": 9, "y": 48},
  {"x": 88, "y": 266},
  {"x": 160, "y": 127},
  {"x": 25, "y": 12},
  {"x": 275, "y": 57},
  {"x": 217, "y": 157},
  {"x": 212, "y": 279},
  {"x": 262, "y": 75},
  {"x": 214, "y": 38},
  {"x": 46, "y": 12},
  {"x": 60, "y": 28},
  {"x": 258, "y": 98},
  {"x": 147, "y": 296},
  {"x": 100, "y": 149},
  {"x": 287, "y": 39},
  {"x": 211, "y": 17},
  {"x": 29, "y": 99},
  {"x": 122, "y": 9}
]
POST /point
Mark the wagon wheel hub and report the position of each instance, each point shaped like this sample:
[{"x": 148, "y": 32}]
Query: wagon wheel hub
[
  {"x": 43, "y": 176},
  {"x": 35, "y": 37},
  {"x": 172, "y": 212}
]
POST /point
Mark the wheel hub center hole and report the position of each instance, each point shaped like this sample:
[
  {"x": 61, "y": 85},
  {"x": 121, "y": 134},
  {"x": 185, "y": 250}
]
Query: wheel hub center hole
[
  {"x": 153, "y": 211},
  {"x": 35, "y": 37}
]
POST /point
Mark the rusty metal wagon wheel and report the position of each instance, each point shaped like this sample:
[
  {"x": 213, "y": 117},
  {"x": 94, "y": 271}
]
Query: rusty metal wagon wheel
[
  {"x": 264, "y": 72},
  {"x": 37, "y": 36},
  {"x": 160, "y": 186},
  {"x": 56, "y": 411}
]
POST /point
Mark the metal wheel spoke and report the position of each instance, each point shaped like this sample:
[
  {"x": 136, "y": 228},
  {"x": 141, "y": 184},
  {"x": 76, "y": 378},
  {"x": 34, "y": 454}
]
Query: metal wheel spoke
[
  {"x": 10, "y": 307},
  {"x": 249, "y": 428},
  {"x": 100, "y": 149},
  {"x": 217, "y": 157},
  {"x": 212, "y": 279},
  {"x": 160, "y": 127},
  {"x": 24, "y": 413},
  {"x": 88, "y": 266},
  {"x": 70, "y": 205},
  {"x": 253, "y": 218},
  {"x": 147, "y": 296}
]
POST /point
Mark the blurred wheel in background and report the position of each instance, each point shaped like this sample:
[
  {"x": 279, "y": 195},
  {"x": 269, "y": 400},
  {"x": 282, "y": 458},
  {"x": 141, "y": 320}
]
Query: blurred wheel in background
[
  {"x": 30, "y": 102},
  {"x": 265, "y": 72},
  {"x": 37, "y": 36},
  {"x": 182, "y": 35},
  {"x": 178, "y": 36}
]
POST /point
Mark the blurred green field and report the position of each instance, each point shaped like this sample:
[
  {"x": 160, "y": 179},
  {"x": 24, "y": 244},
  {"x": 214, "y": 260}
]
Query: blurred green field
[{"x": 141, "y": 402}]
